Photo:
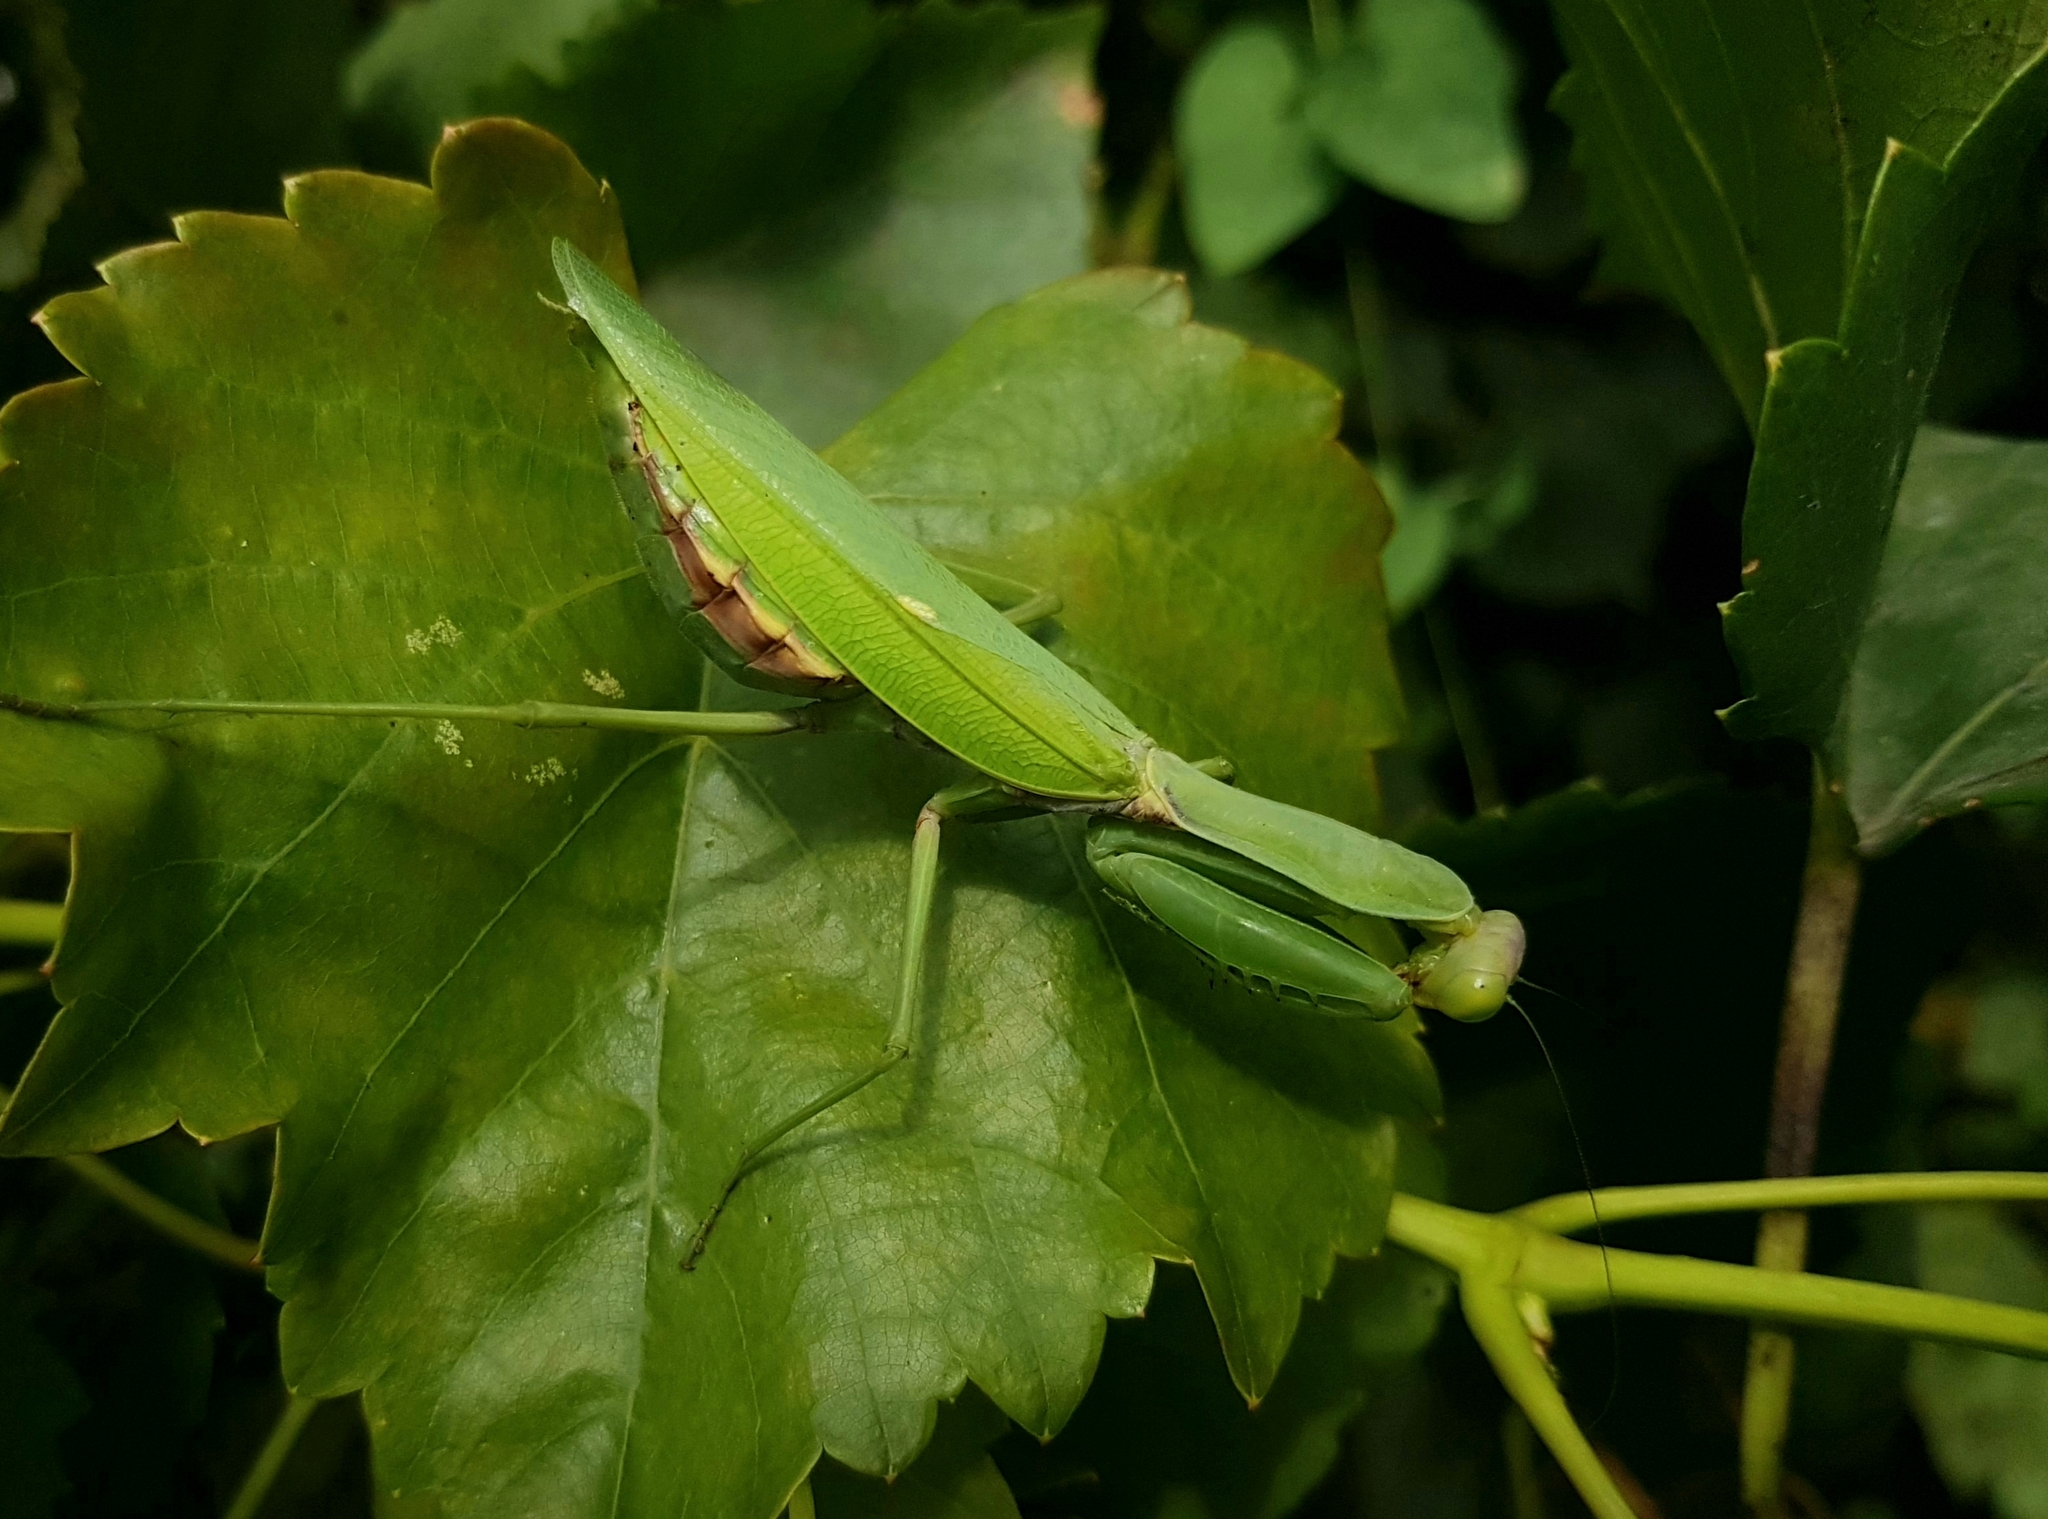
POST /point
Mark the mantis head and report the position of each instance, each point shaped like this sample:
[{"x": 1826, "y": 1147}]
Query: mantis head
[{"x": 1467, "y": 977}]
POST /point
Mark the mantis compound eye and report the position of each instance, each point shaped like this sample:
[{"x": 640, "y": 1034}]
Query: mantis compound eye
[{"x": 1470, "y": 980}]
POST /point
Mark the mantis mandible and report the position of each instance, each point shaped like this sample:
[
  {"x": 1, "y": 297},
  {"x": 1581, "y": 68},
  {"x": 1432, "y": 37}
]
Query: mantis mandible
[{"x": 792, "y": 581}]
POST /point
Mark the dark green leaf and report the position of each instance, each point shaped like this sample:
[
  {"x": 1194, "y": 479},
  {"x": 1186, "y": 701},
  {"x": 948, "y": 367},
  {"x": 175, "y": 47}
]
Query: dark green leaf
[
  {"x": 1734, "y": 149},
  {"x": 433, "y": 62},
  {"x": 821, "y": 194},
  {"x": 517, "y": 1000},
  {"x": 1420, "y": 105},
  {"x": 1254, "y": 176},
  {"x": 1807, "y": 187},
  {"x": 1947, "y": 706},
  {"x": 39, "y": 1399},
  {"x": 973, "y": 192}
]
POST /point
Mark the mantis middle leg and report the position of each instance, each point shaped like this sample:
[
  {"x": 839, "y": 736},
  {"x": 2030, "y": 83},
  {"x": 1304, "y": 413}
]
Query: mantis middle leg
[{"x": 964, "y": 800}]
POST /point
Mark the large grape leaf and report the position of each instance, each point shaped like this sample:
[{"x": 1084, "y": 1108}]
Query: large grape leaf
[
  {"x": 516, "y": 1000},
  {"x": 822, "y": 193},
  {"x": 1947, "y": 706},
  {"x": 1806, "y": 183}
]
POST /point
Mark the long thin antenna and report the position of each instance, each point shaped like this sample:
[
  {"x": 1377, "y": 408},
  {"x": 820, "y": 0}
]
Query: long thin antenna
[{"x": 1592, "y": 1198}]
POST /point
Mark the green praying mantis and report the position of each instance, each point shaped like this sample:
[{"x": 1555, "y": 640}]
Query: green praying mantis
[{"x": 793, "y": 582}]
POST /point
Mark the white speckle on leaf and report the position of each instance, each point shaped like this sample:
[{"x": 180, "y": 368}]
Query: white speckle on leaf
[
  {"x": 919, "y": 610},
  {"x": 441, "y": 631},
  {"x": 449, "y": 737},
  {"x": 604, "y": 684},
  {"x": 546, "y": 773}
]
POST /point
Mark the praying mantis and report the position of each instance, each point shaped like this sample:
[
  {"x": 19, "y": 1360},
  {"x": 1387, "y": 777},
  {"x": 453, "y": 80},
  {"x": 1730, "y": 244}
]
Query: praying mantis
[{"x": 793, "y": 582}]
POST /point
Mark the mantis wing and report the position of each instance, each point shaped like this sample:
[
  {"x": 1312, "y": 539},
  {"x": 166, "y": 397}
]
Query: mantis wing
[{"x": 930, "y": 648}]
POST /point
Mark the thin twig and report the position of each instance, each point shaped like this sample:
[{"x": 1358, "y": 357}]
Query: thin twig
[
  {"x": 1806, "y": 1042},
  {"x": 166, "y": 1217},
  {"x": 270, "y": 1460}
]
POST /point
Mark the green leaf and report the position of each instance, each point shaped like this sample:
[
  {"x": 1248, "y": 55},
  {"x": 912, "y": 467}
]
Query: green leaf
[
  {"x": 1446, "y": 520},
  {"x": 2006, "y": 1054},
  {"x": 1182, "y": 436},
  {"x": 953, "y": 1479},
  {"x": 432, "y": 63},
  {"x": 40, "y": 1399},
  {"x": 1811, "y": 209},
  {"x": 517, "y": 999},
  {"x": 1734, "y": 150},
  {"x": 1947, "y": 705},
  {"x": 1985, "y": 1415},
  {"x": 1253, "y": 175},
  {"x": 1420, "y": 104},
  {"x": 821, "y": 194}
]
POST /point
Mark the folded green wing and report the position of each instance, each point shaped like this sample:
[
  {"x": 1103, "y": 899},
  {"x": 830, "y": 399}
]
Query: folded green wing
[{"x": 935, "y": 652}]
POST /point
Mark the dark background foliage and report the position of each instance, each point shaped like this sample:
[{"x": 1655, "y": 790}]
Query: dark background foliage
[{"x": 1581, "y": 643}]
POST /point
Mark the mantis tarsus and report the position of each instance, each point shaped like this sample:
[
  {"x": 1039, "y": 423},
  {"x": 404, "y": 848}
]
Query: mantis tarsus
[{"x": 792, "y": 581}]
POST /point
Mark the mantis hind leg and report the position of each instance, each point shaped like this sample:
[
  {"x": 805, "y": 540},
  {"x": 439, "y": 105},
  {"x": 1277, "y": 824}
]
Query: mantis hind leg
[
  {"x": 954, "y": 802},
  {"x": 1021, "y": 603}
]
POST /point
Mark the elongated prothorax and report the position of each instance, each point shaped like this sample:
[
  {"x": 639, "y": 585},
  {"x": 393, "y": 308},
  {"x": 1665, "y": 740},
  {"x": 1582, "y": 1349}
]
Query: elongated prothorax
[
  {"x": 934, "y": 652},
  {"x": 1347, "y": 865}
]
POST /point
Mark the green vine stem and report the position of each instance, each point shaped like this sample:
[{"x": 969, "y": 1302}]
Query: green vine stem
[
  {"x": 13, "y": 981},
  {"x": 1806, "y": 1041},
  {"x": 1574, "y": 1212},
  {"x": 1512, "y": 1271},
  {"x": 1490, "y": 1310},
  {"x": 32, "y": 923},
  {"x": 270, "y": 1460}
]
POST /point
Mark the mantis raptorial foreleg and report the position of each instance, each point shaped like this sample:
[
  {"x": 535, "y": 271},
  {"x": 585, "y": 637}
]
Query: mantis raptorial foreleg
[
  {"x": 961, "y": 801},
  {"x": 525, "y": 714}
]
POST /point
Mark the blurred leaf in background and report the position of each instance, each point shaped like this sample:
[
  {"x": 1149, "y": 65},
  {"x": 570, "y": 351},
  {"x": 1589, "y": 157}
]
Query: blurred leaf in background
[
  {"x": 39, "y": 156},
  {"x": 1451, "y": 518},
  {"x": 1255, "y": 176},
  {"x": 1986, "y": 1415},
  {"x": 821, "y": 194},
  {"x": 1413, "y": 97},
  {"x": 40, "y": 1398}
]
